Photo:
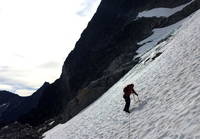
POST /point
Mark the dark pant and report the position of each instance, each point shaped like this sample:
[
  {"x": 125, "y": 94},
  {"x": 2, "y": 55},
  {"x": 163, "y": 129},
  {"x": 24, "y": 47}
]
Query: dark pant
[{"x": 127, "y": 100}]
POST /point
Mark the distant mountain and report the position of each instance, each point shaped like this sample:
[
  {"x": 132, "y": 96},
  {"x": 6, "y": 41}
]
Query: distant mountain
[
  {"x": 107, "y": 49},
  {"x": 13, "y": 106}
]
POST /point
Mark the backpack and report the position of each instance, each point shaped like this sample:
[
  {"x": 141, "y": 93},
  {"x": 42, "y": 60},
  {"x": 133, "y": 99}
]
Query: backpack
[{"x": 126, "y": 89}]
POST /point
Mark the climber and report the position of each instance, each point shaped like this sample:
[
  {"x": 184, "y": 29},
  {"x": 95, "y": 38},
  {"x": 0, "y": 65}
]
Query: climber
[{"x": 128, "y": 90}]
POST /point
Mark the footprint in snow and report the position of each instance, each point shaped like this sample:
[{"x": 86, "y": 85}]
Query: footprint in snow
[{"x": 140, "y": 105}]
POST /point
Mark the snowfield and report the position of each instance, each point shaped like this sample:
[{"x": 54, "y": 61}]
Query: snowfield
[
  {"x": 158, "y": 35},
  {"x": 169, "y": 89},
  {"x": 163, "y": 12}
]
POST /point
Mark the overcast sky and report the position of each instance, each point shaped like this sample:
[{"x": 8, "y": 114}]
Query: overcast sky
[{"x": 35, "y": 38}]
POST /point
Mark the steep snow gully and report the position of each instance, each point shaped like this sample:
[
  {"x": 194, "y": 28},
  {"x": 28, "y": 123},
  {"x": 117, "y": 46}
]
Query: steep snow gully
[{"x": 169, "y": 89}]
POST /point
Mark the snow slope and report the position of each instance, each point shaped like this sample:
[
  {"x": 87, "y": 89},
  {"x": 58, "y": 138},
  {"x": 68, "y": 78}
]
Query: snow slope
[
  {"x": 169, "y": 89},
  {"x": 163, "y": 12},
  {"x": 158, "y": 35}
]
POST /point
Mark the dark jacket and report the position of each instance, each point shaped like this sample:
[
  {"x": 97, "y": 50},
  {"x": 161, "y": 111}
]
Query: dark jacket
[{"x": 128, "y": 90}]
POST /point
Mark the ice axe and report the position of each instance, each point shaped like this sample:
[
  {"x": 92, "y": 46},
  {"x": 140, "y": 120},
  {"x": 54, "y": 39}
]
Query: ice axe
[{"x": 137, "y": 97}]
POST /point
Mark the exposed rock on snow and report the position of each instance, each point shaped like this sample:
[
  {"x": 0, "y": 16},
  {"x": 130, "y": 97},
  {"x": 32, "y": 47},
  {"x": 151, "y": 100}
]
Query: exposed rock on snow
[{"x": 163, "y": 12}]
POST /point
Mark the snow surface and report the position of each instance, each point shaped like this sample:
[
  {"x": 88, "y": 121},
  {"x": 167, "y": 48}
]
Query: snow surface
[
  {"x": 158, "y": 35},
  {"x": 169, "y": 89},
  {"x": 162, "y": 12}
]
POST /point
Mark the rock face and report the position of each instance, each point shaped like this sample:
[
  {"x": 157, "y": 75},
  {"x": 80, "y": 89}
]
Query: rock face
[
  {"x": 102, "y": 55},
  {"x": 19, "y": 131}
]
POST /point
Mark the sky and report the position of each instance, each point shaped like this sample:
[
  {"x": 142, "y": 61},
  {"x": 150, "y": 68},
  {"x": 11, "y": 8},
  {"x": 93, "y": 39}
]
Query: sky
[{"x": 35, "y": 39}]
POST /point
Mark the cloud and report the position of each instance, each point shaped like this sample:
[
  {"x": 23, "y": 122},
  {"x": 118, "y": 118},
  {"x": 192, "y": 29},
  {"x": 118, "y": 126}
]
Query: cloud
[
  {"x": 13, "y": 84},
  {"x": 3, "y": 68},
  {"x": 24, "y": 92},
  {"x": 50, "y": 64},
  {"x": 15, "y": 87},
  {"x": 87, "y": 7},
  {"x": 6, "y": 87}
]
